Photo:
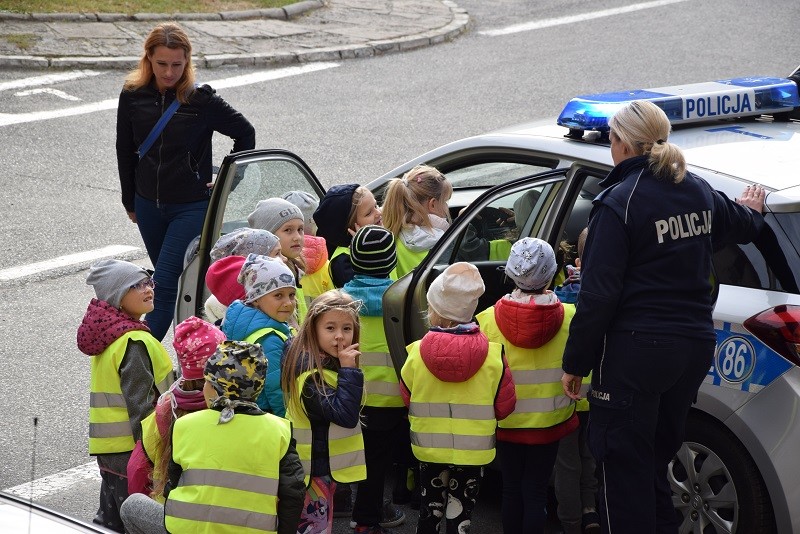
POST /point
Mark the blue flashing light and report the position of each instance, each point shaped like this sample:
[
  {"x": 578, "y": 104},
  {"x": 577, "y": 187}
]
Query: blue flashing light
[{"x": 737, "y": 97}]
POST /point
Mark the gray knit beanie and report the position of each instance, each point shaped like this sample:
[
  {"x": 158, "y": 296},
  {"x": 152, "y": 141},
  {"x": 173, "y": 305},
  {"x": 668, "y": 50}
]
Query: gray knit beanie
[
  {"x": 308, "y": 204},
  {"x": 272, "y": 213},
  {"x": 113, "y": 278}
]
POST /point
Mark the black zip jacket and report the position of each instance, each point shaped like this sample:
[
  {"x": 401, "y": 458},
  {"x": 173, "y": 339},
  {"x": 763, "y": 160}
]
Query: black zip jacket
[
  {"x": 177, "y": 167},
  {"x": 646, "y": 265}
]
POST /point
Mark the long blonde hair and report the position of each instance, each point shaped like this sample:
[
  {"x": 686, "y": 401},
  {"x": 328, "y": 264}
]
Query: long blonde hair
[
  {"x": 406, "y": 197},
  {"x": 172, "y": 36},
  {"x": 305, "y": 353},
  {"x": 644, "y": 128}
]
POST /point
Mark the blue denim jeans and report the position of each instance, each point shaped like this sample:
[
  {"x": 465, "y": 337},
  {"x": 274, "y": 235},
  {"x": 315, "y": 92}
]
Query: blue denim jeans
[{"x": 167, "y": 229}]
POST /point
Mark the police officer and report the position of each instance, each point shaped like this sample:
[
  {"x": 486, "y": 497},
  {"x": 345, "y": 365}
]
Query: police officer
[{"x": 643, "y": 322}]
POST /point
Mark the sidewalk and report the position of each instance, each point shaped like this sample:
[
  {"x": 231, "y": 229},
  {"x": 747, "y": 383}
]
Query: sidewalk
[{"x": 311, "y": 30}]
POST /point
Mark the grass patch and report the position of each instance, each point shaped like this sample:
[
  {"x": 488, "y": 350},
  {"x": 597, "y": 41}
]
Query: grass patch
[
  {"x": 22, "y": 40},
  {"x": 137, "y": 6}
]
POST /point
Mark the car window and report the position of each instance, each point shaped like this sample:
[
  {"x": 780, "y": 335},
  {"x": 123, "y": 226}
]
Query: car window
[
  {"x": 492, "y": 173},
  {"x": 257, "y": 180}
]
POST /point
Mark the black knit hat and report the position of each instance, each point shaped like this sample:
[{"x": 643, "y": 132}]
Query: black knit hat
[
  {"x": 372, "y": 251},
  {"x": 331, "y": 216}
]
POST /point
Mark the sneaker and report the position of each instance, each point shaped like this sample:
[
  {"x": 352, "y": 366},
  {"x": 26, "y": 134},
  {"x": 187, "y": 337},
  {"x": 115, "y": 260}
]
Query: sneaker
[
  {"x": 371, "y": 530},
  {"x": 591, "y": 523},
  {"x": 391, "y": 516}
]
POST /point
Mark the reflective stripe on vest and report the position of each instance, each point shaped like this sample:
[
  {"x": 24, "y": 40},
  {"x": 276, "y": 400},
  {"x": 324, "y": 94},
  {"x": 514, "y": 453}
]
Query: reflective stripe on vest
[
  {"x": 444, "y": 428},
  {"x": 109, "y": 423},
  {"x": 407, "y": 260},
  {"x": 541, "y": 402},
  {"x": 243, "y": 496},
  {"x": 380, "y": 378},
  {"x": 261, "y": 332},
  {"x": 345, "y": 445}
]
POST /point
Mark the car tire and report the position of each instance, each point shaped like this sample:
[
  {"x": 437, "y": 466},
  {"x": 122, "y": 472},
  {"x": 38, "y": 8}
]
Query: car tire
[{"x": 716, "y": 486}]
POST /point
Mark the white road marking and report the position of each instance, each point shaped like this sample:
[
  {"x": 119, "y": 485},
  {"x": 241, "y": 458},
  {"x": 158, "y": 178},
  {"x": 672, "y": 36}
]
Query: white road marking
[
  {"x": 571, "y": 19},
  {"x": 48, "y": 91},
  {"x": 63, "y": 261},
  {"x": 42, "y": 487},
  {"x": 47, "y": 79},
  {"x": 7, "y": 119}
]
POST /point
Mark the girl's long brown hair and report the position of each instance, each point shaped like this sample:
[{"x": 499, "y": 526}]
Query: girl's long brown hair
[{"x": 305, "y": 354}]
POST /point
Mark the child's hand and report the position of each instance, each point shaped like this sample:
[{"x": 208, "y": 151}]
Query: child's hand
[
  {"x": 348, "y": 355},
  {"x": 352, "y": 231}
]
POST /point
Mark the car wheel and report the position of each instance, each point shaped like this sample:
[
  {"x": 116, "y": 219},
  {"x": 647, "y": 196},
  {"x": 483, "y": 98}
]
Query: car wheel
[{"x": 716, "y": 486}]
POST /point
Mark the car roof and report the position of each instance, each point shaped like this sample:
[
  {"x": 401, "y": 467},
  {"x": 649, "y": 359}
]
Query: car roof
[{"x": 759, "y": 151}]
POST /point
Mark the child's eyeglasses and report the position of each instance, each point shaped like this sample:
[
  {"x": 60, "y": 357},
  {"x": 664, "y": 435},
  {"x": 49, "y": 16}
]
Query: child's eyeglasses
[{"x": 144, "y": 284}]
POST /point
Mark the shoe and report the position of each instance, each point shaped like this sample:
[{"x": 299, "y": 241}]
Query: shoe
[
  {"x": 372, "y": 530},
  {"x": 391, "y": 516},
  {"x": 591, "y": 523}
]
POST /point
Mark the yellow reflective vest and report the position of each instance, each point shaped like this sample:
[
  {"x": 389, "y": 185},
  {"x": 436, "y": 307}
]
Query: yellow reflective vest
[
  {"x": 317, "y": 283},
  {"x": 583, "y": 404},
  {"x": 380, "y": 378},
  {"x": 151, "y": 440},
  {"x": 541, "y": 402},
  {"x": 453, "y": 422},
  {"x": 345, "y": 445},
  {"x": 407, "y": 260},
  {"x": 109, "y": 424},
  {"x": 230, "y": 473}
]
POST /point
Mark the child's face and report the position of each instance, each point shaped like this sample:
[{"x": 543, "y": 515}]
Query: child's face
[
  {"x": 276, "y": 250},
  {"x": 334, "y": 331},
  {"x": 367, "y": 211},
  {"x": 278, "y": 304},
  {"x": 139, "y": 299},
  {"x": 291, "y": 238}
]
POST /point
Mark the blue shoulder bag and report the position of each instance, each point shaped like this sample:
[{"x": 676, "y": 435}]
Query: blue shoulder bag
[{"x": 158, "y": 128}]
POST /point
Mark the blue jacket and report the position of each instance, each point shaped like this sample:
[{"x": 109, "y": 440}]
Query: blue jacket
[
  {"x": 369, "y": 290},
  {"x": 646, "y": 265},
  {"x": 241, "y": 321}
]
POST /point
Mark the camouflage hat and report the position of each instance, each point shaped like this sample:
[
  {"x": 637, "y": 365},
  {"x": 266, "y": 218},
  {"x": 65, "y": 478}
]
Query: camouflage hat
[{"x": 237, "y": 370}]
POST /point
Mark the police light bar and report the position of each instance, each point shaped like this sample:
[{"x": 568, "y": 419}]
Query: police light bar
[{"x": 737, "y": 97}]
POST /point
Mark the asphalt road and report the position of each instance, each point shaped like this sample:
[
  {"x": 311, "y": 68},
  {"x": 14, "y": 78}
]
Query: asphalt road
[{"x": 352, "y": 122}]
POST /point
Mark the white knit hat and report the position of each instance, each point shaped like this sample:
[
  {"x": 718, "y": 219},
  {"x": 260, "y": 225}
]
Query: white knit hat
[
  {"x": 454, "y": 294},
  {"x": 531, "y": 264}
]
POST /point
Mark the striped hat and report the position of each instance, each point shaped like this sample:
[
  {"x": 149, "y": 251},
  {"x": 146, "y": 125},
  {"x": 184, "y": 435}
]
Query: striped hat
[{"x": 372, "y": 251}]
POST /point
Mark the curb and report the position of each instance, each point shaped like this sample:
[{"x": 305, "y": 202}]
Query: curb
[{"x": 459, "y": 24}]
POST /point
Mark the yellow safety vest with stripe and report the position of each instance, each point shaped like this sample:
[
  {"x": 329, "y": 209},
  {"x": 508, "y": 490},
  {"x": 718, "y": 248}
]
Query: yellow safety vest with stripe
[
  {"x": 230, "y": 473},
  {"x": 499, "y": 249},
  {"x": 345, "y": 445},
  {"x": 261, "y": 332},
  {"x": 151, "y": 439},
  {"x": 109, "y": 423},
  {"x": 344, "y": 250},
  {"x": 380, "y": 378},
  {"x": 583, "y": 404},
  {"x": 541, "y": 402},
  {"x": 317, "y": 283},
  {"x": 453, "y": 422},
  {"x": 407, "y": 260}
]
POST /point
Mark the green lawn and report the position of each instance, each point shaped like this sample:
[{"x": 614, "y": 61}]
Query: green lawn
[{"x": 136, "y": 6}]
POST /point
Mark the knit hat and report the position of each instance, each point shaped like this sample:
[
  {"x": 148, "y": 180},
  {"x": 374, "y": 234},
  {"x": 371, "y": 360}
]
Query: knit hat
[
  {"x": 195, "y": 340},
  {"x": 272, "y": 213},
  {"x": 113, "y": 278},
  {"x": 454, "y": 294},
  {"x": 531, "y": 264},
  {"x": 332, "y": 214},
  {"x": 372, "y": 251},
  {"x": 261, "y": 275},
  {"x": 244, "y": 241},
  {"x": 307, "y": 203},
  {"x": 237, "y": 372},
  {"x": 222, "y": 279}
]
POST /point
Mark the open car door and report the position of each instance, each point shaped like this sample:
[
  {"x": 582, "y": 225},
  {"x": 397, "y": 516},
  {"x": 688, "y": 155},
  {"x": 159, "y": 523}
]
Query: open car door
[{"x": 244, "y": 178}]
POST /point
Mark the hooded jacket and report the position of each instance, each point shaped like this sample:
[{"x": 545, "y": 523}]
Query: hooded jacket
[
  {"x": 177, "y": 167},
  {"x": 241, "y": 321}
]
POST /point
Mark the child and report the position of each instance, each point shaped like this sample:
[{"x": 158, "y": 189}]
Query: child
[
  {"x": 263, "y": 318},
  {"x": 195, "y": 341},
  {"x": 324, "y": 389},
  {"x": 343, "y": 210},
  {"x": 454, "y": 367},
  {"x": 384, "y": 418},
  {"x": 233, "y": 468},
  {"x": 130, "y": 370},
  {"x": 415, "y": 211},
  {"x": 317, "y": 278},
  {"x": 575, "y": 482},
  {"x": 285, "y": 220},
  {"x": 533, "y": 326}
]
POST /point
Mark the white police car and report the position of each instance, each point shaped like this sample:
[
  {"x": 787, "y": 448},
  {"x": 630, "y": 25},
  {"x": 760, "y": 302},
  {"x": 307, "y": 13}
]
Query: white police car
[{"x": 737, "y": 470}]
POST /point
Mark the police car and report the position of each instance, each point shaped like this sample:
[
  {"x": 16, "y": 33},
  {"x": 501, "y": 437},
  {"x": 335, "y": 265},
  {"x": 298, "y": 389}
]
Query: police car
[{"x": 737, "y": 470}]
